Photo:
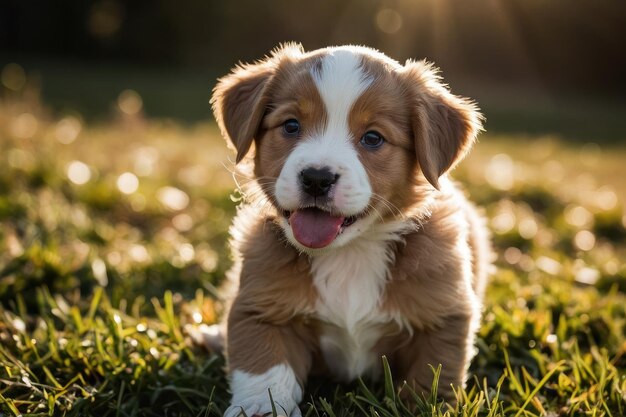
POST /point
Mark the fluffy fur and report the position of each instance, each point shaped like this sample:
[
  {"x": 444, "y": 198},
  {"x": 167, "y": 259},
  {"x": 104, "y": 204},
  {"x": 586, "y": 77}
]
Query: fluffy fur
[{"x": 404, "y": 276}]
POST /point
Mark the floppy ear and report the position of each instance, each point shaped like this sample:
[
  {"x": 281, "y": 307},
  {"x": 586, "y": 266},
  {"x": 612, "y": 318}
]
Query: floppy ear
[
  {"x": 239, "y": 102},
  {"x": 239, "y": 99},
  {"x": 444, "y": 125}
]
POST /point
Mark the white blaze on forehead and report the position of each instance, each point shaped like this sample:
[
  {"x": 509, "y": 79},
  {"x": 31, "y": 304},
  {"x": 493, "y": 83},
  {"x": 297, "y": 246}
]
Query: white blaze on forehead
[{"x": 340, "y": 81}]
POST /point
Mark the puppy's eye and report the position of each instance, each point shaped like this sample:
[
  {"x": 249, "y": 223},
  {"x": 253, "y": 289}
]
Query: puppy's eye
[
  {"x": 372, "y": 140},
  {"x": 291, "y": 127}
]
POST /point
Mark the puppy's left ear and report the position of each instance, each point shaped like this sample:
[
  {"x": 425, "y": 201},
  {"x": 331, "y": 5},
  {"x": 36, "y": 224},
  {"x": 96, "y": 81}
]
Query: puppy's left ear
[
  {"x": 238, "y": 104},
  {"x": 444, "y": 125},
  {"x": 239, "y": 99}
]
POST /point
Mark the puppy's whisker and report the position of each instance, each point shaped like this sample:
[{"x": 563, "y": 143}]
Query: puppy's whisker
[
  {"x": 392, "y": 208},
  {"x": 253, "y": 188},
  {"x": 371, "y": 208}
]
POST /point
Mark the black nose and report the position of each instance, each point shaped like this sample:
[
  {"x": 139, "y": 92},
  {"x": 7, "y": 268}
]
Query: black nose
[{"x": 317, "y": 182}]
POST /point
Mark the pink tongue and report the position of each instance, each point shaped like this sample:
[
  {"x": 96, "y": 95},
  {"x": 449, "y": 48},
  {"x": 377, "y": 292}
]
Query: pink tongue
[{"x": 314, "y": 228}]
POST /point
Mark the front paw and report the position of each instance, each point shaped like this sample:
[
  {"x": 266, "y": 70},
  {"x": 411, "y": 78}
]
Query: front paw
[
  {"x": 257, "y": 410},
  {"x": 251, "y": 393}
]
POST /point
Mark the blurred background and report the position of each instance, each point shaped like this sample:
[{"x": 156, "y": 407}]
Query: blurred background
[
  {"x": 534, "y": 66},
  {"x": 111, "y": 160}
]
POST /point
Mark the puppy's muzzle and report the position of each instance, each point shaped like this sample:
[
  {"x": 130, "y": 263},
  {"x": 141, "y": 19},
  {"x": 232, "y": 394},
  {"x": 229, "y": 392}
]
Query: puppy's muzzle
[{"x": 317, "y": 182}]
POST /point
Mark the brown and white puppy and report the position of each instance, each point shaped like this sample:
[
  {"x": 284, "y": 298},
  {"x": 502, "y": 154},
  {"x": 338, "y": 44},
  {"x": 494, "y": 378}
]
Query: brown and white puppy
[{"x": 362, "y": 247}]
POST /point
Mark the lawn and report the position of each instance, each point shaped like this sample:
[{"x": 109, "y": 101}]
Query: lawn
[{"x": 113, "y": 239}]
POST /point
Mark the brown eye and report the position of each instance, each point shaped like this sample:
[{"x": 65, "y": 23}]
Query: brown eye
[
  {"x": 291, "y": 127},
  {"x": 372, "y": 140}
]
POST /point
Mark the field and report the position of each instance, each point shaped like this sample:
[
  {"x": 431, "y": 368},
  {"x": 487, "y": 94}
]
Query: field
[{"x": 113, "y": 239}]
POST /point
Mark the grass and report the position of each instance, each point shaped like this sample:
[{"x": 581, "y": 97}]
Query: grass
[{"x": 97, "y": 284}]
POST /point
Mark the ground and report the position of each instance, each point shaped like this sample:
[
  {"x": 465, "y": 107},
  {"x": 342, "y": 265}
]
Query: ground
[{"x": 113, "y": 237}]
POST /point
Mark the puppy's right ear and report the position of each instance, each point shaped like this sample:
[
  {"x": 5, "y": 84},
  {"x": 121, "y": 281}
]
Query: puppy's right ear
[{"x": 239, "y": 103}]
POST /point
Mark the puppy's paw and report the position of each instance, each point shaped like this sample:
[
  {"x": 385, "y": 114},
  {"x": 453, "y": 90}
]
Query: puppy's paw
[
  {"x": 251, "y": 393},
  {"x": 255, "y": 410}
]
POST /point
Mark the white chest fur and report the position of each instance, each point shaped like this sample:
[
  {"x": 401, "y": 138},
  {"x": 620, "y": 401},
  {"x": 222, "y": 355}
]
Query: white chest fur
[{"x": 350, "y": 282}]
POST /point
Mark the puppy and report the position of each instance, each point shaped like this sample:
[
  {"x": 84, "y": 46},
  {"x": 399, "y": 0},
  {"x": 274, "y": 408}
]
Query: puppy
[{"x": 359, "y": 245}]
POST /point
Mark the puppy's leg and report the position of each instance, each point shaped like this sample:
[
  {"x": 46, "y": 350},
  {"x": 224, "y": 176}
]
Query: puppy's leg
[
  {"x": 450, "y": 346},
  {"x": 265, "y": 357}
]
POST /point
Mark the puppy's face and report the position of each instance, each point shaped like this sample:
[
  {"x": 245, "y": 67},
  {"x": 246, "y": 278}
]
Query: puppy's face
[{"x": 345, "y": 137}]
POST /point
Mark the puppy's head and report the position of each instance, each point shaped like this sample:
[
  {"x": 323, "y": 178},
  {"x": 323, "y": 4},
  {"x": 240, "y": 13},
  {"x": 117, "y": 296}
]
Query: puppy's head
[{"x": 345, "y": 137}]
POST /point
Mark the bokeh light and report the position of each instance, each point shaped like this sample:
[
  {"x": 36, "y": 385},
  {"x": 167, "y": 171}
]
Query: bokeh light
[
  {"x": 182, "y": 222},
  {"x": 500, "y": 172},
  {"x": 105, "y": 18},
  {"x": 99, "y": 270},
  {"x": 146, "y": 158},
  {"x": 139, "y": 253},
  {"x": 512, "y": 255},
  {"x": 138, "y": 202},
  {"x": 20, "y": 158},
  {"x": 578, "y": 216},
  {"x": 173, "y": 198},
  {"x": 130, "y": 102},
  {"x": 548, "y": 265},
  {"x": 587, "y": 276},
  {"x": 13, "y": 77},
  {"x": 67, "y": 129},
  {"x": 24, "y": 126},
  {"x": 585, "y": 240},
  {"x": 78, "y": 172},
  {"x": 590, "y": 154},
  {"x": 605, "y": 198},
  {"x": 127, "y": 183},
  {"x": 186, "y": 252},
  {"x": 388, "y": 21},
  {"x": 528, "y": 228}
]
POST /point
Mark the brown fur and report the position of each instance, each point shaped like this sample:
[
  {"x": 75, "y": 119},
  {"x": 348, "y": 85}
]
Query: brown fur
[
  {"x": 265, "y": 324},
  {"x": 439, "y": 271}
]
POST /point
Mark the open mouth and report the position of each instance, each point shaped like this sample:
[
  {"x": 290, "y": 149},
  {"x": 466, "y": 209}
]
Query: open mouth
[{"x": 316, "y": 228}]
